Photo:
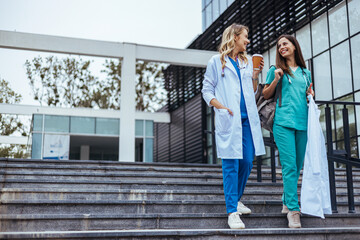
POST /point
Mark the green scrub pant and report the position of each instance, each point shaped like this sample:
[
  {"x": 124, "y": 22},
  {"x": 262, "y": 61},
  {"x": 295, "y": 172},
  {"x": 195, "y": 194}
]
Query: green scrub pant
[{"x": 291, "y": 144}]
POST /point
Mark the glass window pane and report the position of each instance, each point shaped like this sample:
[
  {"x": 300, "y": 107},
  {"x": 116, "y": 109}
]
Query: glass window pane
[
  {"x": 149, "y": 128},
  {"x": 108, "y": 126},
  {"x": 215, "y": 8},
  {"x": 203, "y": 20},
  {"x": 338, "y": 23},
  {"x": 273, "y": 56},
  {"x": 303, "y": 37},
  {"x": 266, "y": 66},
  {"x": 355, "y": 55},
  {"x": 82, "y": 125},
  {"x": 36, "y": 146},
  {"x": 357, "y": 109},
  {"x": 354, "y": 16},
  {"x": 57, "y": 123},
  {"x": 38, "y": 122},
  {"x": 149, "y": 146},
  {"x": 320, "y": 34},
  {"x": 223, "y": 6},
  {"x": 208, "y": 16},
  {"x": 322, "y": 78},
  {"x": 139, "y": 128},
  {"x": 139, "y": 149},
  {"x": 340, "y": 59},
  {"x": 339, "y": 118}
]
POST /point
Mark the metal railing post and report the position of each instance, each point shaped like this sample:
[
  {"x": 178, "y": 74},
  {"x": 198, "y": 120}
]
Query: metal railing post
[
  {"x": 349, "y": 178},
  {"x": 273, "y": 167},
  {"x": 258, "y": 168},
  {"x": 330, "y": 163}
]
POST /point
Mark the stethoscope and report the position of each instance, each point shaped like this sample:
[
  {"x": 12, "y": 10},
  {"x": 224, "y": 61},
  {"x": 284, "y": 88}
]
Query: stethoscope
[
  {"x": 305, "y": 77},
  {"x": 237, "y": 64}
]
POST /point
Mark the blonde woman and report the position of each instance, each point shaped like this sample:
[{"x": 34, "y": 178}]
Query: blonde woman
[{"x": 229, "y": 85}]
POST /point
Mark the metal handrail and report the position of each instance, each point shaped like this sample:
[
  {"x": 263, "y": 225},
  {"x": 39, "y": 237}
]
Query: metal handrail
[{"x": 333, "y": 155}]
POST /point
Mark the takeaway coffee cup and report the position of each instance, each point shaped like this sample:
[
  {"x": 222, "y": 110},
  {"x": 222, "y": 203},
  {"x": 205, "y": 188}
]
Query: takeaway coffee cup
[{"x": 256, "y": 58}]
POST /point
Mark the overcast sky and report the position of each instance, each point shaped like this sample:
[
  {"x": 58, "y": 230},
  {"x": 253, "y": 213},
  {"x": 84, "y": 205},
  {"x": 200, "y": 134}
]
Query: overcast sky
[{"x": 167, "y": 23}]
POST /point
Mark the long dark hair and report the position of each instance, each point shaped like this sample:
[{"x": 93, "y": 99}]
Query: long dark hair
[{"x": 281, "y": 61}]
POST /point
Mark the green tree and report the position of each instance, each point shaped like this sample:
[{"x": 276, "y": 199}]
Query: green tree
[
  {"x": 10, "y": 124},
  {"x": 69, "y": 82},
  {"x": 149, "y": 84}
]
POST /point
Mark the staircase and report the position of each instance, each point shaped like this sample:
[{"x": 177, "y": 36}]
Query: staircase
[{"x": 111, "y": 200}]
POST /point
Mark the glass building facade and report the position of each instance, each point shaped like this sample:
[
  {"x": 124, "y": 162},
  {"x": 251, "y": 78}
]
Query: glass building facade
[
  {"x": 330, "y": 44},
  {"x": 212, "y": 9},
  {"x": 87, "y": 138}
]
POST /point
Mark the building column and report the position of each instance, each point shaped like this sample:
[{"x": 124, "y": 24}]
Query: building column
[{"x": 127, "y": 105}]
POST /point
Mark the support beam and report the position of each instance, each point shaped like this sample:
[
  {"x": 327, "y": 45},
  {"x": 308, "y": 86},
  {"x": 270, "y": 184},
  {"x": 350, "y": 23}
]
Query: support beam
[
  {"x": 87, "y": 47},
  {"x": 14, "y": 140},
  {"x": 19, "y": 109},
  {"x": 127, "y": 105}
]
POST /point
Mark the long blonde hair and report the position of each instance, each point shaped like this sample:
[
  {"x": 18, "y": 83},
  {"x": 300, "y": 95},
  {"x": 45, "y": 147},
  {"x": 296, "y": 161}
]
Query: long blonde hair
[{"x": 228, "y": 43}]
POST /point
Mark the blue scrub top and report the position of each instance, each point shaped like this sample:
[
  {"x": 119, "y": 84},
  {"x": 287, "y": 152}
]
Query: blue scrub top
[{"x": 242, "y": 101}]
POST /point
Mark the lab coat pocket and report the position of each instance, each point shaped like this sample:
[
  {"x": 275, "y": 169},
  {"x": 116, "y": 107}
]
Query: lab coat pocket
[{"x": 223, "y": 121}]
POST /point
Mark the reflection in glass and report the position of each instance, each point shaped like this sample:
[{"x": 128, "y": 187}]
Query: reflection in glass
[
  {"x": 338, "y": 23},
  {"x": 36, "y": 146},
  {"x": 357, "y": 109},
  {"x": 354, "y": 16},
  {"x": 320, "y": 34},
  {"x": 82, "y": 125},
  {"x": 303, "y": 37},
  {"x": 340, "y": 59},
  {"x": 215, "y": 9},
  {"x": 208, "y": 16},
  {"x": 149, "y": 146},
  {"x": 339, "y": 118},
  {"x": 149, "y": 128},
  {"x": 322, "y": 78},
  {"x": 107, "y": 126},
  {"x": 355, "y": 55},
  {"x": 57, "y": 123},
  {"x": 38, "y": 123},
  {"x": 139, "y": 128},
  {"x": 223, "y": 6}
]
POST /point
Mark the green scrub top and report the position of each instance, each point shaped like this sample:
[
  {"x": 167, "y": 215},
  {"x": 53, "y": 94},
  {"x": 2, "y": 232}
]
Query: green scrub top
[{"x": 293, "y": 112}]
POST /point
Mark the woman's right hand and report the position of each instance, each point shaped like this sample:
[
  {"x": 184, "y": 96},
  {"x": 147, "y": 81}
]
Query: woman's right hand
[
  {"x": 278, "y": 74},
  {"x": 231, "y": 113}
]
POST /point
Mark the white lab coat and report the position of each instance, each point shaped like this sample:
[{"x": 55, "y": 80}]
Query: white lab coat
[
  {"x": 228, "y": 129},
  {"x": 315, "y": 190}
]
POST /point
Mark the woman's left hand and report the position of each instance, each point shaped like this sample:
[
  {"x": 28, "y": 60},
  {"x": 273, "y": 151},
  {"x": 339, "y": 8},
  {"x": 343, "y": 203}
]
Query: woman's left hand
[{"x": 310, "y": 91}]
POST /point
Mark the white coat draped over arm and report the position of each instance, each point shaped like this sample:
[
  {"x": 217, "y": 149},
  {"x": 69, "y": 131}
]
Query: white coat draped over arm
[{"x": 226, "y": 89}]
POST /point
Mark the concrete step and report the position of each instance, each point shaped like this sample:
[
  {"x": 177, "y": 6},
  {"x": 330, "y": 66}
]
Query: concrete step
[
  {"x": 196, "y": 234},
  {"x": 8, "y": 194},
  {"x": 122, "y": 167},
  {"x": 51, "y": 174},
  {"x": 146, "y": 185},
  {"x": 83, "y": 222},
  {"x": 93, "y": 163},
  {"x": 138, "y": 206}
]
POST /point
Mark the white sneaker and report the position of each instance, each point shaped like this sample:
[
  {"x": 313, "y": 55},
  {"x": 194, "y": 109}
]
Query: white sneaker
[
  {"x": 285, "y": 209},
  {"x": 241, "y": 208},
  {"x": 235, "y": 222}
]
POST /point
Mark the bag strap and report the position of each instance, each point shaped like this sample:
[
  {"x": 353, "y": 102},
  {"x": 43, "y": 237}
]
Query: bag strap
[{"x": 278, "y": 91}]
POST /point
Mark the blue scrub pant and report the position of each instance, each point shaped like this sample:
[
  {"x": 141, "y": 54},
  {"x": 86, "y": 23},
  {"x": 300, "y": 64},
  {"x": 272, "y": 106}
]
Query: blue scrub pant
[
  {"x": 236, "y": 171},
  {"x": 291, "y": 144}
]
